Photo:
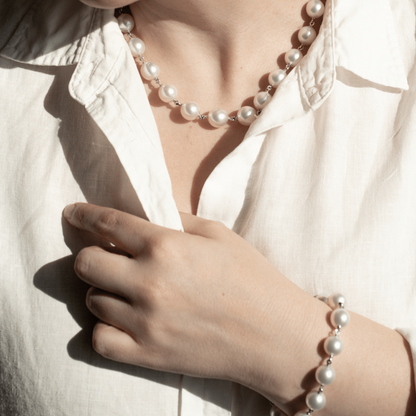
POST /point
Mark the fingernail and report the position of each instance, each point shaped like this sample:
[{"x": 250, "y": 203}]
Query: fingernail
[{"x": 68, "y": 210}]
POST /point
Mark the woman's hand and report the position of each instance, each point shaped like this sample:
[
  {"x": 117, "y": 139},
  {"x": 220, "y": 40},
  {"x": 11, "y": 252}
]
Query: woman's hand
[{"x": 188, "y": 302}]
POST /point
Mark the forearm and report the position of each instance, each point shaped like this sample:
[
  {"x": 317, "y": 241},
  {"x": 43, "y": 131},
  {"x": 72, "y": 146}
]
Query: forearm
[{"x": 374, "y": 373}]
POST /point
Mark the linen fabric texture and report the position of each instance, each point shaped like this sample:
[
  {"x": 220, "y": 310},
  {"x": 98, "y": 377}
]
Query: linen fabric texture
[{"x": 323, "y": 184}]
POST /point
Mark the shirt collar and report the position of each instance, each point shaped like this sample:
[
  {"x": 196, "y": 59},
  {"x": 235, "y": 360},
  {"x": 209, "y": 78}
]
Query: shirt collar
[{"x": 346, "y": 40}]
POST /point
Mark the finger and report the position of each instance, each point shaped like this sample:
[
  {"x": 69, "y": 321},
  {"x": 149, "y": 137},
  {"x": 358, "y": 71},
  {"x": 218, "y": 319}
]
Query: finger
[
  {"x": 200, "y": 226},
  {"x": 107, "y": 271},
  {"x": 115, "y": 344},
  {"x": 108, "y": 307},
  {"x": 126, "y": 231}
]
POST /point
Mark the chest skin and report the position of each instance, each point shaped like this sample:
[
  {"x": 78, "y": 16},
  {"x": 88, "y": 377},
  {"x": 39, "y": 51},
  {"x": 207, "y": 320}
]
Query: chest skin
[{"x": 192, "y": 150}]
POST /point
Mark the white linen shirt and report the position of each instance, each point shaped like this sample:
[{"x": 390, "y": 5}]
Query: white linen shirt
[{"x": 323, "y": 184}]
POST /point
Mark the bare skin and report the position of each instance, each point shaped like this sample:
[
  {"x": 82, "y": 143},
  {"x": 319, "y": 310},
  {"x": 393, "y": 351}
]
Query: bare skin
[{"x": 177, "y": 322}]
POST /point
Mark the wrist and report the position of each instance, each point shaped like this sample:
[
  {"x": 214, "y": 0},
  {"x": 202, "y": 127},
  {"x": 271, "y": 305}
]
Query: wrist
[{"x": 287, "y": 347}]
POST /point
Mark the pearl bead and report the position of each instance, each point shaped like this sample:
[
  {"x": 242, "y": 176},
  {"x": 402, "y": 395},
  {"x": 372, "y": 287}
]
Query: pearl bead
[
  {"x": 340, "y": 317},
  {"x": 168, "y": 93},
  {"x": 325, "y": 374},
  {"x": 333, "y": 345},
  {"x": 293, "y": 57},
  {"x": 217, "y": 118},
  {"x": 307, "y": 35},
  {"x": 246, "y": 115},
  {"x": 190, "y": 111},
  {"x": 125, "y": 23},
  {"x": 315, "y": 8},
  {"x": 315, "y": 400},
  {"x": 335, "y": 299},
  {"x": 276, "y": 77},
  {"x": 301, "y": 414},
  {"x": 136, "y": 46},
  {"x": 149, "y": 71},
  {"x": 261, "y": 100}
]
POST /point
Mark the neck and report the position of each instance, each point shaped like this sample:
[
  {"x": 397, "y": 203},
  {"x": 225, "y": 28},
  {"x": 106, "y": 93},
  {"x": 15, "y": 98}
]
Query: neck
[{"x": 216, "y": 52}]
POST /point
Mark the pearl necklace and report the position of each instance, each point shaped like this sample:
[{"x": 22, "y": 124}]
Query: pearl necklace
[{"x": 218, "y": 117}]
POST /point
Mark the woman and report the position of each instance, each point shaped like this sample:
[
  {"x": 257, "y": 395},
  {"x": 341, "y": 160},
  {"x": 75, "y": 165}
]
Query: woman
[{"x": 320, "y": 187}]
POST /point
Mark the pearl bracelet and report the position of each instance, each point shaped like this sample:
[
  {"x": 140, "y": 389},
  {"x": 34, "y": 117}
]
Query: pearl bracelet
[{"x": 333, "y": 345}]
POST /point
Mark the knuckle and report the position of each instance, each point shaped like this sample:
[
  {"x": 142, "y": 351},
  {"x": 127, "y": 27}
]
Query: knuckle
[
  {"x": 107, "y": 221},
  {"x": 214, "y": 227},
  {"x": 161, "y": 245},
  {"x": 154, "y": 296}
]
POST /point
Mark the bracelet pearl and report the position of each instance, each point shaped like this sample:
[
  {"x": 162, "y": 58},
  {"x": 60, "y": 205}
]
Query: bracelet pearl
[
  {"x": 218, "y": 117},
  {"x": 333, "y": 345}
]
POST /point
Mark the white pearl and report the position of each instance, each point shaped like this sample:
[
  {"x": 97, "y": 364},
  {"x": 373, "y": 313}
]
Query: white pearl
[
  {"x": 340, "y": 317},
  {"x": 168, "y": 93},
  {"x": 301, "y": 414},
  {"x": 307, "y": 35},
  {"x": 325, "y": 374},
  {"x": 190, "y": 111},
  {"x": 149, "y": 71},
  {"x": 335, "y": 299},
  {"x": 315, "y": 400},
  {"x": 261, "y": 100},
  {"x": 276, "y": 77},
  {"x": 315, "y": 8},
  {"x": 217, "y": 118},
  {"x": 136, "y": 46},
  {"x": 125, "y": 23},
  {"x": 333, "y": 345},
  {"x": 246, "y": 115},
  {"x": 293, "y": 57}
]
